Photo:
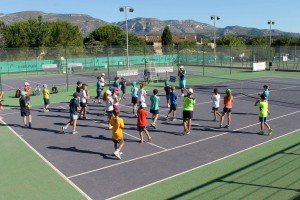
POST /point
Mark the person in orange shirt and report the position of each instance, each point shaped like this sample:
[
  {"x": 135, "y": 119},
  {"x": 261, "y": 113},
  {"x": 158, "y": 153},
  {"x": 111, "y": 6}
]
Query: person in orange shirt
[
  {"x": 228, "y": 99},
  {"x": 117, "y": 124},
  {"x": 142, "y": 122}
]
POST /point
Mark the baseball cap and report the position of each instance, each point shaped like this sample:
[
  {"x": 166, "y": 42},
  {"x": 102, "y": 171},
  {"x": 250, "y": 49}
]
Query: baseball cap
[
  {"x": 75, "y": 95},
  {"x": 133, "y": 83},
  {"x": 84, "y": 84},
  {"x": 166, "y": 83},
  {"x": 102, "y": 74},
  {"x": 190, "y": 90},
  {"x": 143, "y": 105},
  {"x": 45, "y": 85},
  {"x": 79, "y": 82},
  {"x": 116, "y": 89},
  {"x": 26, "y": 83},
  {"x": 181, "y": 67},
  {"x": 108, "y": 92},
  {"x": 228, "y": 90},
  {"x": 23, "y": 93}
]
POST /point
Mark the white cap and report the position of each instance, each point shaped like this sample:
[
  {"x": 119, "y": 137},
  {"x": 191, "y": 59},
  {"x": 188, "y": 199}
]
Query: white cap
[
  {"x": 26, "y": 83},
  {"x": 108, "y": 92},
  {"x": 45, "y": 85},
  {"x": 181, "y": 67},
  {"x": 190, "y": 90},
  {"x": 102, "y": 74},
  {"x": 144, "y": 105}
]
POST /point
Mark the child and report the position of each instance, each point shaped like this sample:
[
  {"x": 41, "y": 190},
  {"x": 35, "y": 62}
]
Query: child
[
  {"x": 167, "y": 90},
  {"x": 173, "y": 100},
  {"x": 117, "y": 135},
  {"x": 142, "y": 122},
  {"x": 27, "y": 89},
  {"x": 134, "y": 97},
  {"x": 266, "y": 92},
  {"x": 102, "y": 83},
  {"x": 25, "y": 111},
  {"x": 262, "y": 105},
  {"x": 154, "y": 107},
  {"x": 228, "y": 99},
  {"x": 74, "y": 108},
  {"x": 142, "y": 94},
  {"x": 98, "y": 90},
  {"x": 216, "y": 104},
  {"x": 182, "y": 79},
  {"x": 83, "y": 100},
  {"x": 115, "y": 98},
  {"x": 46, "y": 98},
  {"x": 108, "y": 106},
  {"x": 123, "y": 87},
  {"x": 188, "y": 109},
  {"x": 116, "y": 83},
  {"x": 78, "y": 87}
]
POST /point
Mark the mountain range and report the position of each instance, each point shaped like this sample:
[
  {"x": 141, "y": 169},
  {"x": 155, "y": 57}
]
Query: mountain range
[{"x": 144, "y": 26}]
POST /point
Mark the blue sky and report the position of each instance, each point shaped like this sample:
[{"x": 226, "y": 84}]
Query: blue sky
[{"x": 253, "y": 13}]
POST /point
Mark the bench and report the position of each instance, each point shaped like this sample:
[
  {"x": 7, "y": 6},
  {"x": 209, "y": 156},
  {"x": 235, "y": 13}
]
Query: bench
[
  {"x": 49, "y": 67},
  {"x": 75, "y": 67}
]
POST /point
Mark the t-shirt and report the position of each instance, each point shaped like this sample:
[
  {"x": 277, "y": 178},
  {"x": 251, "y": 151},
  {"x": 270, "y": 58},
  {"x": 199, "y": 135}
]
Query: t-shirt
[
  {"x": 154, "y": 102},
  {"x": 98, "y": 86},
  {"x": 116, "y": 84},
  {"x": 266, "y": 93},
  {"x": 123, "y": 85},
  {"x": 117, "y": 124},
  {"x": 262, "y": 108},
  {"x": 168, "y": 90},
  {"x": 173, "y": 98},
  {"x": 188, "y": 103},
  {"x": 109, "y": 104},
  {"x": 73, "y": 106},
  {"x": 181, "y": 76},
  {"x": 142, "y": 117},
  {"x": 216, "y": 100},
  {"x": 141, "y": 95},
  {"x": 27, "y": 89},
  {"x": 227, "y": 102},
  {"x": 23, "y": 106},
  {"x": 83, "y": 96},
  {"x": 45, "y": 93},
  {"x": 134, "y": 92},
  {"x": 78, "y": 89},
  {"x": 102, "y": 82}
]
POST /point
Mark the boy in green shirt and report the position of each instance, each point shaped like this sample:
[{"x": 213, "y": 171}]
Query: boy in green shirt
[
  {"x": 188, "y": 108},
  {"x": 154, "y": 107},
  {"x": 262, "y": 105}
]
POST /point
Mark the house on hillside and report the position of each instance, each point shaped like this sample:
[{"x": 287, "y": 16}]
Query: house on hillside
[{"x": 155, "y": 40}]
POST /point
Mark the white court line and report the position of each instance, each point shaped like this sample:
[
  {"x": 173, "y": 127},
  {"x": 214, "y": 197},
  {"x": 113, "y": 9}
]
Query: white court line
[
  {"x": 177, "y": 147},
  {"x": 47, "y": 162},
  {"x": 201, "y": 166}
]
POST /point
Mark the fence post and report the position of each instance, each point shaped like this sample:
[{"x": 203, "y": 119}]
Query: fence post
[
  {"x": 67, "y": 69},
  {"x": 230, "y": 58},
  {"x": 107, "y": 55},
  {"x": 203, "y": 57}
]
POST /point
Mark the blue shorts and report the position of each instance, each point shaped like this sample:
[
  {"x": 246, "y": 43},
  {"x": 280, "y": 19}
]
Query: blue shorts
[
  {"x": 262, "y": 119},
  {"x": 98, "y": 93},
  {"x": 168, "y": 97},
  {"x": 182, "y": 83}
]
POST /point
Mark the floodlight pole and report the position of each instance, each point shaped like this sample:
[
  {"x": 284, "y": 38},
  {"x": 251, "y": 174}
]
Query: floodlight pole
[
  {"x": 124, "y": 9},
  {"x": 214, "y": 17},
  {"x": 270, "y": 22}
]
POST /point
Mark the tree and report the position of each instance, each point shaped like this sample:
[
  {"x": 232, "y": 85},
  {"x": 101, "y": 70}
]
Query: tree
[
  {"x": 258, "y": 40},
  {"x": 107, "y": 35},
  {"x": 230, "y": 41},
  {"x": 166, "y": 38}
]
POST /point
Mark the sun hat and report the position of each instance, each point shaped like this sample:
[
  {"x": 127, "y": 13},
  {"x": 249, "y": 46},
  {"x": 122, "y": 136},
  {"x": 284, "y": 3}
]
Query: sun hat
[
  {"x": 108, "y": 92},
  {"x": 26, "y": 83},
  {"x": 133, "y": 83},
  {"x": 143, "y": 105},
  {"x": 45, "y": 85},
  {"x": 228, "y": 90},
  {"x": 116, "y": 89},
  {"x": 75, "y": 95},
  {"x": 23, "y": 93},
  {"x": 181, "y": 67},
  {"x": 102, "y": 74},
  {"x": 190, "y": 90}
]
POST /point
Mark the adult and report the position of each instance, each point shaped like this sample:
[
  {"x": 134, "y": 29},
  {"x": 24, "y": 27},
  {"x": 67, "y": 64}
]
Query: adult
[{"x": 182, "y": 79}]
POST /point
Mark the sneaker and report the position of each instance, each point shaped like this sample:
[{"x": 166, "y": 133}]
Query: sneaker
[
  {"x": 188, "y": 132},
  {"x": 182, "y": 95},
  {"x": 117, "y": 154},
  {"x": 74, "y": 132},
  {"x": 29, "y": 125},
  {"x": 64, "y": 129},
  {"x": 153, "y": 125},
  {"x": 120, "y": 152},
  {"x": 227, "y": 126},
  {"x": 150, "y": 140},
  {"x": 167, "y": 117},
  {"x": 174, "y": 119},
  {"x": 110, "y": 127},
  {"x": 46, "y": 110},
  {"x": 168, "y": 105},
  {"x": 221, "y": 126},
  {"x": 260, "y": 133},
  {"x": 270, "y": 132},
  {"x": 184, "y": 132}
]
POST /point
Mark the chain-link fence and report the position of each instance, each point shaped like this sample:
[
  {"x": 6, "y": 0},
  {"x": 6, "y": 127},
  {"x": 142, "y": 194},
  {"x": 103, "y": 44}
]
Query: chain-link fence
[{"x": 64, "y": 66}]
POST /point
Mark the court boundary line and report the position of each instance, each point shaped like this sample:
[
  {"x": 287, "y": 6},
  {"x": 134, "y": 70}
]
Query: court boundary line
[
  {"x": 206, "y": 164},
  {"x": 47, "y": 162},
  {"x": 177, "y": 147}
]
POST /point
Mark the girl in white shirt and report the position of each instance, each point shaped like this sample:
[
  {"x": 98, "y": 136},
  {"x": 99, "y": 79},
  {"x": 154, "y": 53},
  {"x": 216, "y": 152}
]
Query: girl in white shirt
[
  {"x": 141, "y": 94},
  {"x": 216, "y": 103},
  {"x": 108, "y": 106}
]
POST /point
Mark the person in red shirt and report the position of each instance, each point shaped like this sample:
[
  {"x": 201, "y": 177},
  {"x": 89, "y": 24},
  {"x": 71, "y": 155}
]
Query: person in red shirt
[
  {"x": 27, "y": 90},
  {"x": 228, "y": 99},
  {"x": 142, "y": 122}
]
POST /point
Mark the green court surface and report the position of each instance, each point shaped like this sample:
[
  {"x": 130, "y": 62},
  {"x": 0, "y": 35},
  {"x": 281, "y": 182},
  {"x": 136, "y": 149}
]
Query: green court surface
[
  {"x": 24, "y": 175},
  {"x": 267, "y": 171}
]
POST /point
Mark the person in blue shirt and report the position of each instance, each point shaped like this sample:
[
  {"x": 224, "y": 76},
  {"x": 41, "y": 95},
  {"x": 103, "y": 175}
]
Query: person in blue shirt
[
  {"x": 182, "y": 79},
  {"x": 123, "y": 87},
  {"x": 116, "y": 84},
  {"x": 74, "y": 112},
  {"x": 266, "y": 92},
  {"x": 173, "y": 101},
  {"x": 134, "y": 97}
]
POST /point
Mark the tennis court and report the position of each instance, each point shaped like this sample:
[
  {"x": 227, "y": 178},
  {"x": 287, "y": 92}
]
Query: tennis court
[{"x": 225, "y": 158}]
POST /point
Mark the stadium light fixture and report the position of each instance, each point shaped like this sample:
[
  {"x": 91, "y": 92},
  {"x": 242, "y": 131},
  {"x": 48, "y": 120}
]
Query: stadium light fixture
[
  {"x": 270, "y": 22},
  {"x": 215, "y": 17},
  {"x": 125, "y": 9}
]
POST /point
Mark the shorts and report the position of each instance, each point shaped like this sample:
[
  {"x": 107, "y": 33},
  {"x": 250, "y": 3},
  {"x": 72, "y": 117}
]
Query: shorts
[
  {"x": 83, "y": 104},
  {"x": 134, "y": 100},
  {"x": 25, "y": 113},
  {"x": 118, "y": 141},
  {"x": 262, "y": 119},
  {"x": 173, "y": 107},
  {"x": 182, "y": 83},
  {"x": 73, "y": 116},
  {"x": 168, "y": 97},
  {"x": 214, "y": 109},
  {"x": 109, "y": 113},
  {"x": 123, "y": 91},
  {"x": 187, "y": 114},
  {"x": 27, "y": 98},
  {"x": 46, "y": 101},
  {"x": 226, "y": 110},
  {"x": 141, "y": 128},
  {"x": 98, "y": 93},
  {"x": 154, "y": 111}
]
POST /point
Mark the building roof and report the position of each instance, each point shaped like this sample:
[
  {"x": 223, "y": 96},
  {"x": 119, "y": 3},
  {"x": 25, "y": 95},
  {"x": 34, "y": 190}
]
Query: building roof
[{"x": 175, "y": 38}]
